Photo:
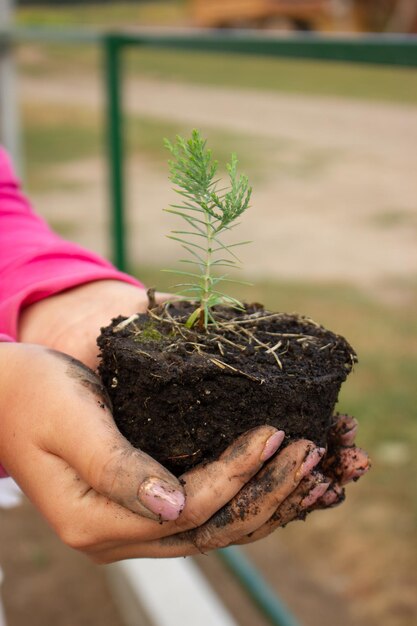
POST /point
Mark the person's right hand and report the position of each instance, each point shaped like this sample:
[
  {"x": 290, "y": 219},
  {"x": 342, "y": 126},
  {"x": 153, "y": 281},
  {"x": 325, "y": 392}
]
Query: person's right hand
[{"x": 107, "y": 499}]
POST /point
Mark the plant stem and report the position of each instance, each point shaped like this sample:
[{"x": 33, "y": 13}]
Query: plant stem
[{"x": 207, "y": 280}]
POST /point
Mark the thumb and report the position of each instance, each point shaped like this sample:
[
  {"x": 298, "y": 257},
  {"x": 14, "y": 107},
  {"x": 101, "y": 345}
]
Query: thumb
[{"x": 89, "y": 441}]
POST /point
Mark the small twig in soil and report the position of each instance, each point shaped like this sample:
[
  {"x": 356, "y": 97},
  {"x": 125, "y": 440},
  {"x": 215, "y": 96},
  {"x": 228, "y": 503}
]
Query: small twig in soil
[
  {"x": 218, "y": 338},
  {"x": 263, "y": 345},
  {"x": 125, "y": 323},
  {"x": 256, "y": 317},
  {"x": 146, "y": 354},
  {"x": 223, "y": 365}
]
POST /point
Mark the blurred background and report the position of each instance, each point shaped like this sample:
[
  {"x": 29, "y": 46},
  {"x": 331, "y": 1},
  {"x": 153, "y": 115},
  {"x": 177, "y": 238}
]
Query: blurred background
[{"x": 331, "y": 151}]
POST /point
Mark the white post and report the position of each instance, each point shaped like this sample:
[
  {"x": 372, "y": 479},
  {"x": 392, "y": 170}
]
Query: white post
[{"x": 9, "y": 116}]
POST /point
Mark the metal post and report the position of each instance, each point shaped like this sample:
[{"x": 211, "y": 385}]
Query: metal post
[
  {"x": 115, "y": 149},
  {"x": 256, "y": 587},
  {"x": 9, "y": 118}
]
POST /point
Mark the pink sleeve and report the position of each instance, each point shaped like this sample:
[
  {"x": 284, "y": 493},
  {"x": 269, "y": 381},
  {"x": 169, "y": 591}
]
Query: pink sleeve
[{"x": 35, "y": 262}]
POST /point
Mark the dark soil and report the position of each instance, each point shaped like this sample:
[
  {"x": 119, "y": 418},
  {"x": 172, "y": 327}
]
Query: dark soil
[{"x": 183, "y": 395}]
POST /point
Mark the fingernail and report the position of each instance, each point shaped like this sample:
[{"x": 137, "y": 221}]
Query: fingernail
[
  {"x": 309, "y": 462},
  {"x": 272, "y": 444},
  {"x": 315, "y": 494},
  {"x": 161, "y": 498}
]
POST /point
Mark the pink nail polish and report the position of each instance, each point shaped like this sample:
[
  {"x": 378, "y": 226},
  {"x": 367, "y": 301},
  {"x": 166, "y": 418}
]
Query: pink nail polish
[
  {"x": 272, "y": 444},
  {"x": 309, "y": 462},
  {"x": 161, "y": 498},
  {"x": 315, "y": 494}
]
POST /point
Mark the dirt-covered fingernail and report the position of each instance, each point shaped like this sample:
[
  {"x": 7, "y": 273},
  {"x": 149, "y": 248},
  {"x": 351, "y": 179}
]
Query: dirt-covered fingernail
[
  {"x": 315, "y": 494},
  {"x": 272, "y": 444},
  {"x": 161, "y": 498},
  {"x": 311, "y": 460}
]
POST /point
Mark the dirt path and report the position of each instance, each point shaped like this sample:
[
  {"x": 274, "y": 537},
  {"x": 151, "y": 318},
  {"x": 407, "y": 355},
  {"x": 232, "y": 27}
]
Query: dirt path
[{"x": 337, "y": 201}]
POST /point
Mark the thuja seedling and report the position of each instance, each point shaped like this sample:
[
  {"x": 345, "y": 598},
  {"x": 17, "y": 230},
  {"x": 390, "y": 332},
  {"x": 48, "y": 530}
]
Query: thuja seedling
[{"x": 208, "y": 212}]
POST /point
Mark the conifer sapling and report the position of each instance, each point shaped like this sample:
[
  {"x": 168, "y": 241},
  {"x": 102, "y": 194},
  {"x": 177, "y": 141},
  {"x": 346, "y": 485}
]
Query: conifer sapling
[{"x": 208, "y": 212}]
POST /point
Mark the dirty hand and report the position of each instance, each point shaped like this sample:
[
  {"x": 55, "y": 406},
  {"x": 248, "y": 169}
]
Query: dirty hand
[
  {"x": 322, "y": 488},
  {"x": 70, "y": 322},
  {"x": 107, "y": 499}
]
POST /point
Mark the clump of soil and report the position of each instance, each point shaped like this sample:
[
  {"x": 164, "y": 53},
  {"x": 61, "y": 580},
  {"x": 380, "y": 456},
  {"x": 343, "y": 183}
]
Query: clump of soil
[{"x": 184, "y": 395}]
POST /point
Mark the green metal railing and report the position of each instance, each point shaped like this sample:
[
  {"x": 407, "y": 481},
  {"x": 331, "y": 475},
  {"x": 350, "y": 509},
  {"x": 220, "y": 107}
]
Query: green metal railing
[
  {"x": 378, "y": 50},
  {"x": 396, "y": 51}
]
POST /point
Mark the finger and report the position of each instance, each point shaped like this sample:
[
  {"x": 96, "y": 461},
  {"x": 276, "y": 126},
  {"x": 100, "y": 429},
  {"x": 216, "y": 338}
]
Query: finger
[
  {"x": 343, "y": 431},
  {"x": 210, "y": 487},
  {"x": 334, "y": 496},
  {"x": 259, "y": 499},
  {"x": 346, "y": 464},
  {"x": 91, "y": 522},
  {"x": 253, "y": 505},
  {"x": 92, "y": 445},
  {"x": 296, "y": 507}
]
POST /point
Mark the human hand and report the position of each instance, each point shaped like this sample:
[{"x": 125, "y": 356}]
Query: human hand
[
  {"x": 107, "y": 499},
  {"x": 70, "y": 322}
]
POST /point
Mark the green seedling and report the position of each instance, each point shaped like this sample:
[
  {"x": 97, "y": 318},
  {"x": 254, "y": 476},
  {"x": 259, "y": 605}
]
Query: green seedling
[{"x": 209, "y": 213}]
